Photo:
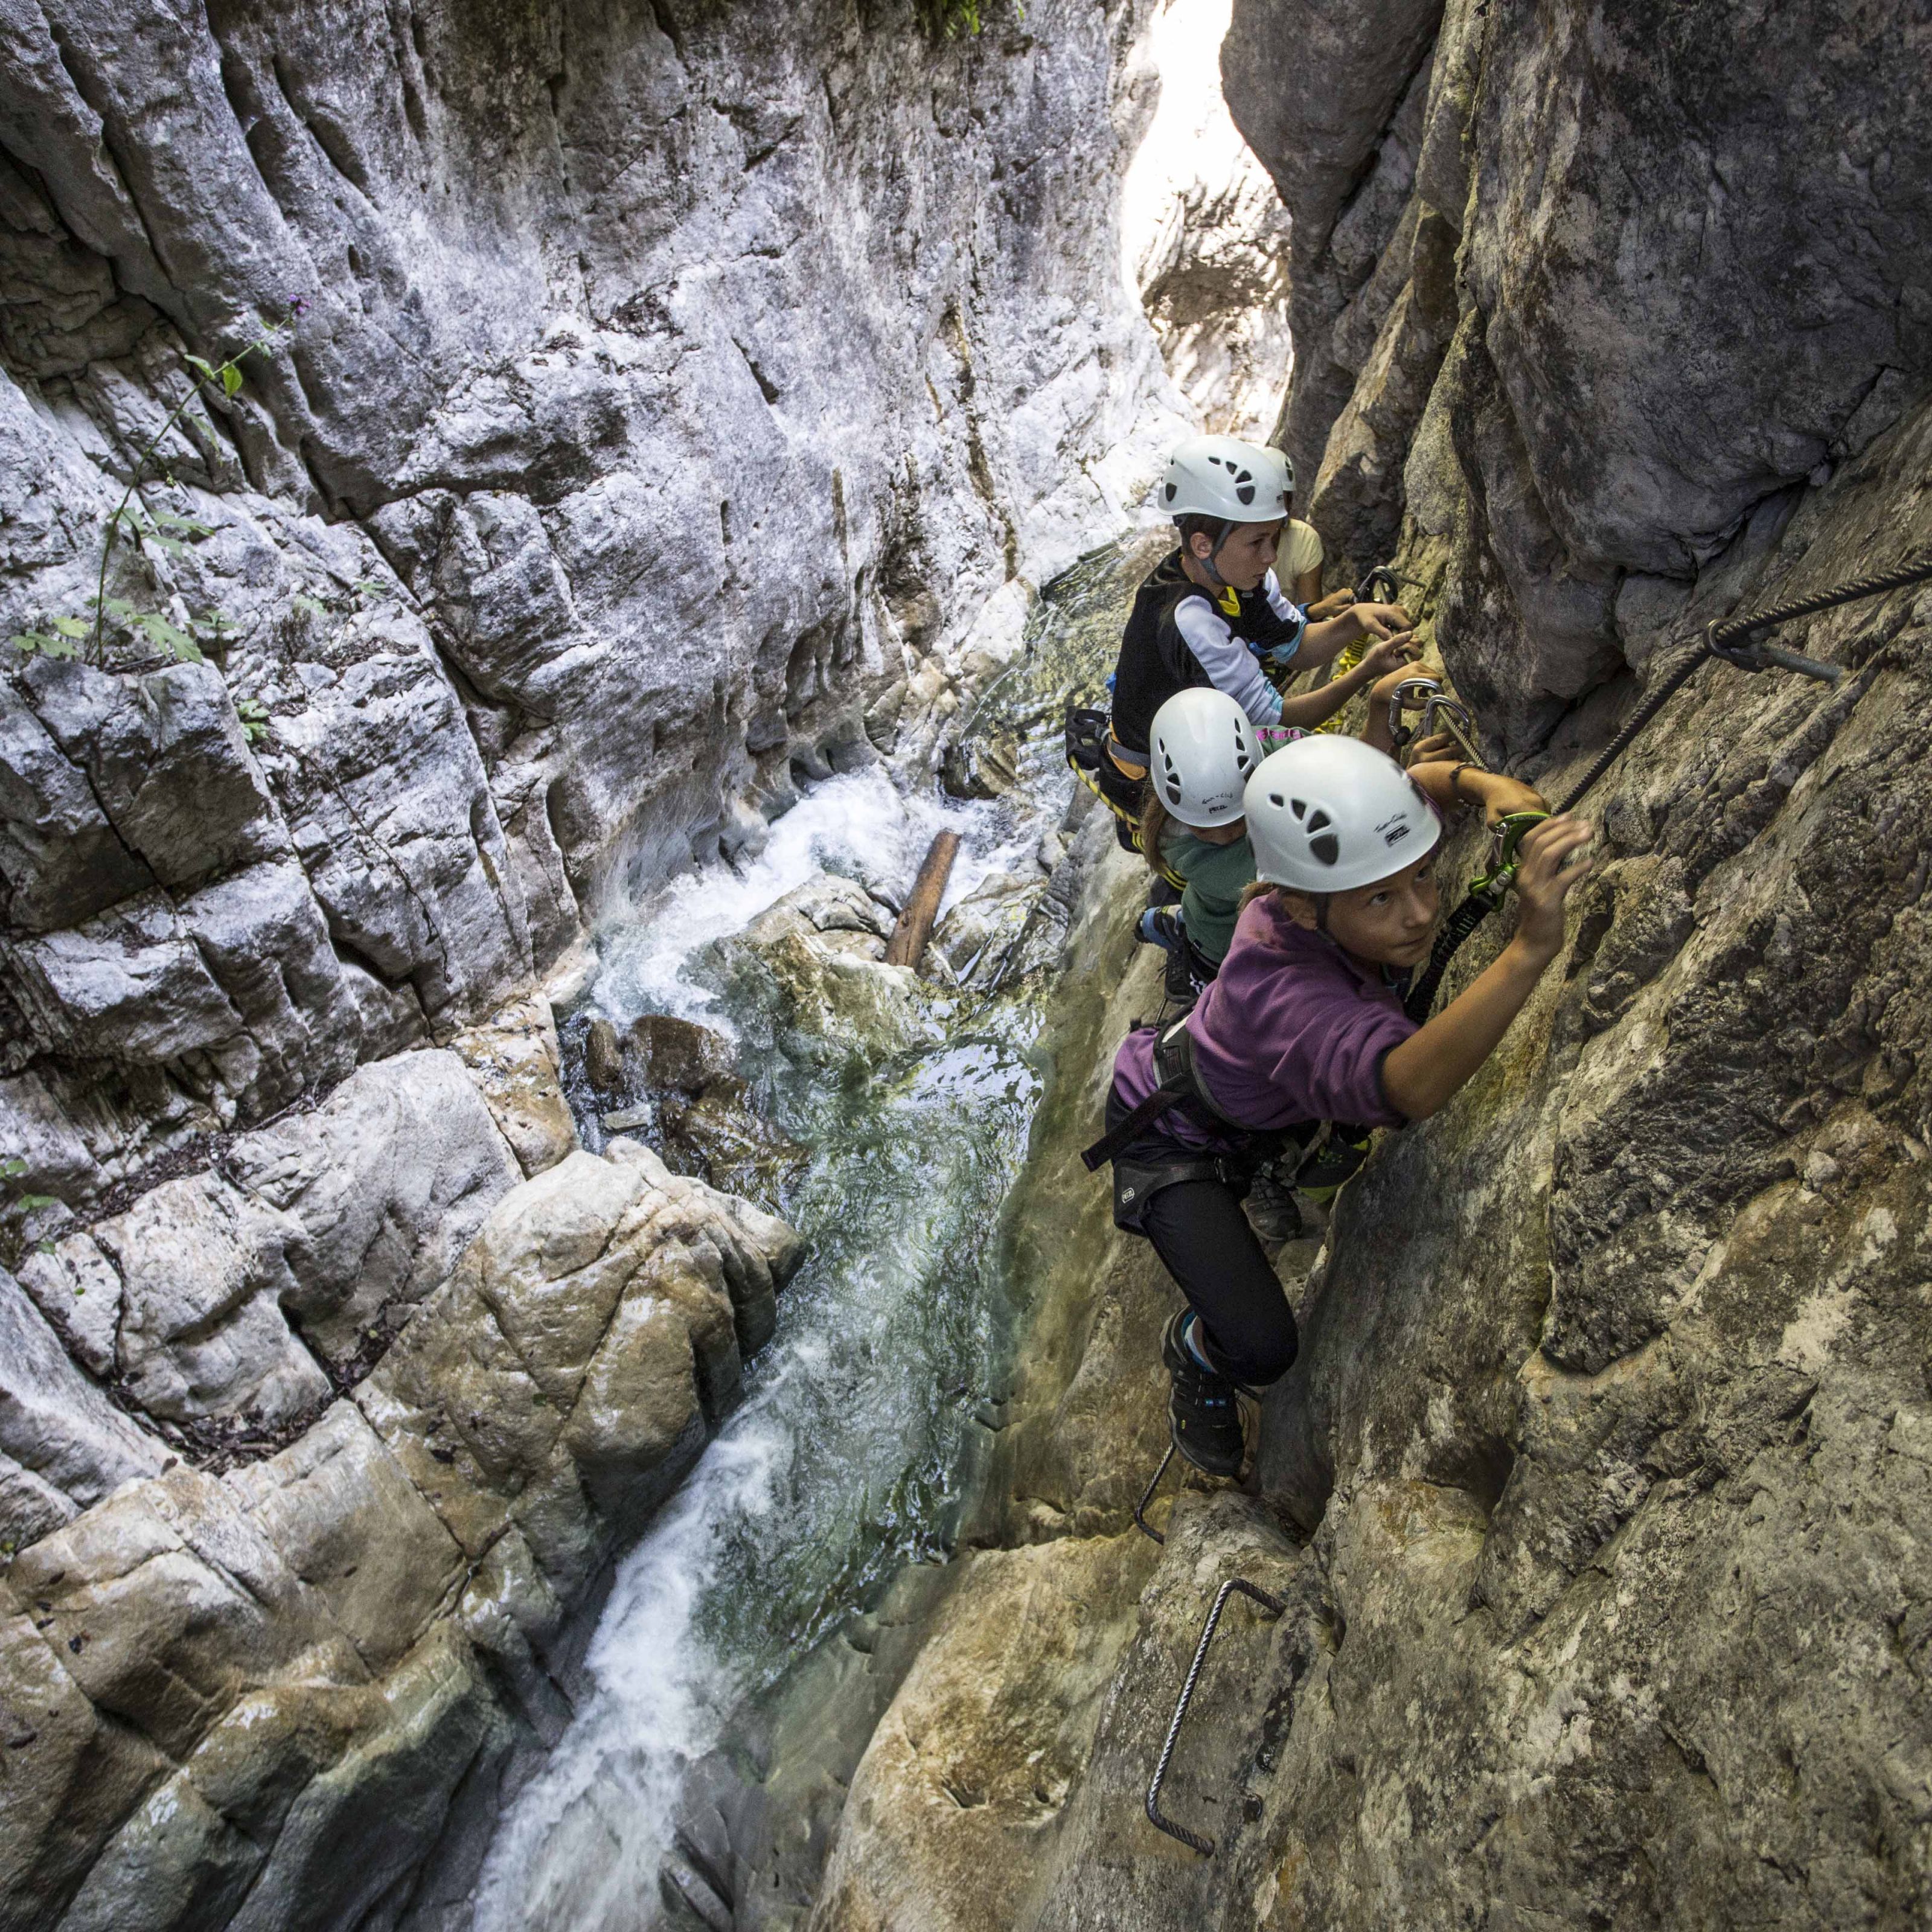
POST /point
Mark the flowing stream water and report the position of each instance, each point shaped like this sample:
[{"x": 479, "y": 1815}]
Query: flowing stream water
[{"x": 845, "y": 1460}]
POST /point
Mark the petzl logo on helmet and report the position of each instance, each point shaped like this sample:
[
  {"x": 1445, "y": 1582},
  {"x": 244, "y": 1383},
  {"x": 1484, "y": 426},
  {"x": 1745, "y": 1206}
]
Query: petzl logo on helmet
[{"x": 1394, "y": 830}]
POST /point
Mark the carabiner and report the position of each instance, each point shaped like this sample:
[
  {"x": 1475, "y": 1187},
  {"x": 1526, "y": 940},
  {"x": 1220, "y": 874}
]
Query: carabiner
[
  {"x": 1437, "y": 704},
  {"x": 1408, "y": 692},
  {"x": 1507, "y": 834},
  {"x": 1456, "y": 718}
]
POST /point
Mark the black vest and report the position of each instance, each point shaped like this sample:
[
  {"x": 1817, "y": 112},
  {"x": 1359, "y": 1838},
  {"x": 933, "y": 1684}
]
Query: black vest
[{"x": 1155, "y": 662}]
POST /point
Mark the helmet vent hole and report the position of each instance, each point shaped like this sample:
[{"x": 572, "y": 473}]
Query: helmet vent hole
[
  {"x": 1317, "y": 819},
  {"x": 1173, "y": 793},
  {"x": 1325, "y": 847},
  {"x": 1298, "y": 806}
]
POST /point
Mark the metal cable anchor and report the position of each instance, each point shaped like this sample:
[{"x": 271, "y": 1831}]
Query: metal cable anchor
[
  {"x": 1274, "y": 1605},
  {"x": 1733, "y": 643}
]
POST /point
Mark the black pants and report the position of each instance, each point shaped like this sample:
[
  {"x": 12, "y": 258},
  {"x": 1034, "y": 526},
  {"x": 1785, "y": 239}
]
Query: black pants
[{"x": 1246, "y": 1329}]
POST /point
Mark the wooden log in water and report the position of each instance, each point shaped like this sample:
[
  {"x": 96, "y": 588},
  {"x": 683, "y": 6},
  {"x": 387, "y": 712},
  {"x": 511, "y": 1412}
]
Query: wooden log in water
[{"x": 906, "y": 947}]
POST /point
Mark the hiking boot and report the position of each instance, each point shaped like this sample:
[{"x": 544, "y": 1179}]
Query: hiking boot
[
  {"x": 1273, "y": 1211},
  {"x": 1159, "y": 925},
  {"x": 1203, "y": 1410}
]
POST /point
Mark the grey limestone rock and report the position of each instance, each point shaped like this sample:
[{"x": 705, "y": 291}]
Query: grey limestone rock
[
  {"x": 165, "y": 756},
  {"x": 128, "y": 985},
  {"x": 205, "y": 1271},
  {"x": 60, "y": 858},
  {"x": 1618, "y": 398},
  {"x": 547, "y": 549},
  {"x": 383, "y": 1185},
  {"x": 262, "y": 1699},
  {"x": 663, "y": 386},
  {"x": 67, "y": 1445}
]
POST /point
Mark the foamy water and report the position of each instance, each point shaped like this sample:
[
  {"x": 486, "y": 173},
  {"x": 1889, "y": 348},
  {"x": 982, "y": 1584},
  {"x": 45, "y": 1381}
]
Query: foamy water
[{"x": 860, "y": 825}]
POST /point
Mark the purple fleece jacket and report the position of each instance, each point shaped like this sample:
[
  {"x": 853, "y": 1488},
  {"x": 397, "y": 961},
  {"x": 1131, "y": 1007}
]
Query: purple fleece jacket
[{"x": 1292, "y": 1030}]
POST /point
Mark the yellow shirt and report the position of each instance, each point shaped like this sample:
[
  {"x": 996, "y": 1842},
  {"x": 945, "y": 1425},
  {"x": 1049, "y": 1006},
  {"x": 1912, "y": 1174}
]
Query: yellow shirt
[{"x": 1299, "y": 552}]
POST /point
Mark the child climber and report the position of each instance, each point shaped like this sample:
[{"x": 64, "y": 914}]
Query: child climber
[
  {"x": 1202, "y": 752},
  {"x": 1305, "y": 1024},
  {"x": 1213, "y": 612}
]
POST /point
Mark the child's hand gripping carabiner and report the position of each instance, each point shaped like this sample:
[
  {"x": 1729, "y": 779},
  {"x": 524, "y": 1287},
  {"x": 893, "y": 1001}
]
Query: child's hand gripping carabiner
[{"x": 1507, "y": 836}]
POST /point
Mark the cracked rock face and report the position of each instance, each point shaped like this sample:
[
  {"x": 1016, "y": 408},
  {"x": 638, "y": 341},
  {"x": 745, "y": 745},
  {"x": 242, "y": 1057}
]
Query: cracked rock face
[
  {"x": 675, "y": 404},
  {"x": 263, "y": 1698},
  {"x": 1678, "y": 291},
  {"x": 1596, "y": 1502},
  {"x": 667, "y": 388}
]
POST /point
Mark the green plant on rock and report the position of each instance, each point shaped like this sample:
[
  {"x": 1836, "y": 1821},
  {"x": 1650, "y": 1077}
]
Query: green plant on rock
[
  {"x": 958, "y": 19},
  {"x": 11, "y": 1168},
  {"x": 254, "y": 716},
  {"x": 148, "y": 528}
]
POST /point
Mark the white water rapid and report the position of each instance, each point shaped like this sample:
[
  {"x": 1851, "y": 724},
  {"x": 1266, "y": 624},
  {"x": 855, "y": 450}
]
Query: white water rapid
[{"x": 842, "y": 1462}]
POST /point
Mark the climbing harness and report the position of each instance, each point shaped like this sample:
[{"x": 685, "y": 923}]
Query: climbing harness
[
  {"x": 1274, "y": 1606},
  {"x": 1177, "y": 1084},
  {"x": 1438, "y": 710},
  {"x": 1733, "y": 639},
  {"x": 1089, "y": 736}
]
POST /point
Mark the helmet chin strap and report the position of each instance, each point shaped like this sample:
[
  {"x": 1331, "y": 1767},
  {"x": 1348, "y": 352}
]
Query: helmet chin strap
[{"x": 1211, "y": 561}]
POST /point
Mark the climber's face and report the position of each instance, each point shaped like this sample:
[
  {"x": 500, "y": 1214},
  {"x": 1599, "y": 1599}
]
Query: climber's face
[
  {"x": 1391, "y": 923},
  {"x": 1248, "y": 555}
]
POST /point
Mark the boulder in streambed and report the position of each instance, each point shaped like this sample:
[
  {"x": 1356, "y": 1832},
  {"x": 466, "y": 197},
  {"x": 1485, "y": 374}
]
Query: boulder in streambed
[
  {"x": 678, "y": 1055},
  {"x": 975, "y": 934},
  {"x": 812, "y": 967},
  {"x": 697, "y": 1114},
  {"x": 261, "y": 1698},
  {"x": 720, "y": 1138},
  {"x": 707, "y": 1124}
]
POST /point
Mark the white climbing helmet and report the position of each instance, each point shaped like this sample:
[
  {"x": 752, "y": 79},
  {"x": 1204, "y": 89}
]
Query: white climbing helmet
[
  {"x": 1327, "y": 813},
  {"x": 1222, "y": 476},
  {"x": 1202, "y": 753}
]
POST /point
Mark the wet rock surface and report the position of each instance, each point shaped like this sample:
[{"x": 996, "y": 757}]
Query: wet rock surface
[{"x": 338, "y": 1649}]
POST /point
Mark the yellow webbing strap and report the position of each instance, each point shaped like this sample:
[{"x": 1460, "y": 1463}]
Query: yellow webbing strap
[
  {"x": 1126, "y": 818},
  {"x": 1345, "y": 660}
]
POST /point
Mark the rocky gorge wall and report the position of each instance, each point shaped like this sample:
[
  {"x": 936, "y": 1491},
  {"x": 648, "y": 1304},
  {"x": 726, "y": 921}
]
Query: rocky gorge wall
[
  {"x": 1597, "y": 1498},
  {"x": 675, "y": 403}
]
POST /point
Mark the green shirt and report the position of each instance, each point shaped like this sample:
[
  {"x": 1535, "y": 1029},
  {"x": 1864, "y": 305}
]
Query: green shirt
[{"x": 1216, "y": 876}]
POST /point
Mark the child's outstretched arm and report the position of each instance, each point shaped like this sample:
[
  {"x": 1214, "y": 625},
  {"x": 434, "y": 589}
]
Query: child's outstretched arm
[
  {"x": 1321, "y": 642},
  {"x": 1449, "y": 784},
  {"x": 1315, "y": 707},
  {"x": 1420, "y": 1075}
]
